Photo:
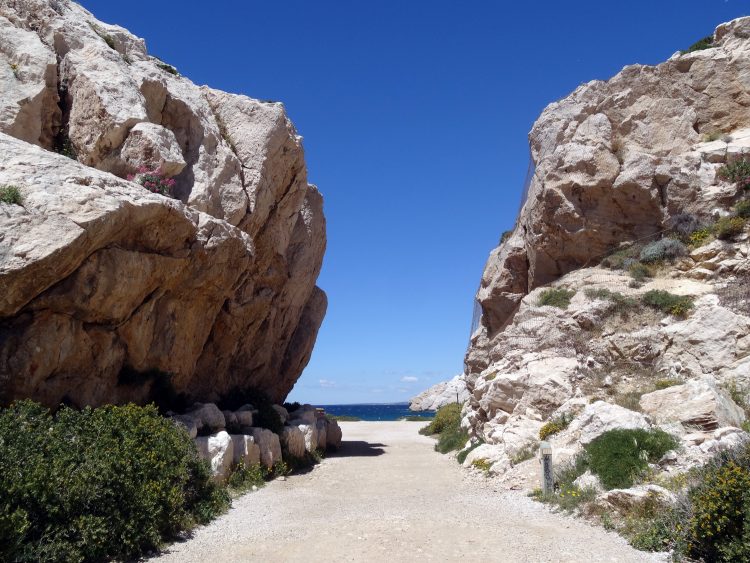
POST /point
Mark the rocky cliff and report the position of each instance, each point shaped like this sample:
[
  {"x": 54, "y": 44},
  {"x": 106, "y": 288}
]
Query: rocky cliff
[
  {"x": 439, "y": 395},
  {"x": 107, "y": 285},
  {"x": 626, "y": 172}
]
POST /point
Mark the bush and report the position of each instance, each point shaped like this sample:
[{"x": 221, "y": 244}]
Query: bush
[
  {"x": 10, "y": 194},
  {"x": 639, "y": 272},
  {"x": 660, "y": 384},
  {"x": 556, "y": 297},
  {"x": 153, "y": 180},
  {"x": 742, "y": 209},
  {"x": 90, "y": 485},
  {"x": 482, "y": 464},
  {"x": 618, "y": 302},
  {"x": 620, "y": 456},
  {"x": 737, "y": 172},
  {"x": 622, "y": 258},
  {"x": 700, "y": 237},
  {"x": 524, "y": 454},
  {"x": 685, "y": 223},
  {"x": 729, "y": 227},
  {"x": 505, "y": 236},
  {"x": 243, "y": 478},
  {"x": 446, "y": 416},
  {"x": 677, "y": 305},
  {"x": 719, "y": 529},
  {"x": 167, "y": 68},
  {"x": 705, "y": 43},
  {"x": 664, "y": 249}
]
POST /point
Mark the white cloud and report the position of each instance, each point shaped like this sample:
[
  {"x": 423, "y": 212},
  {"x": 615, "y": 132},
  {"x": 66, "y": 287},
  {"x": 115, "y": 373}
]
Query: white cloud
[
  {"x": 327, "y": 383},
  {"x": 409, "y": 379}
]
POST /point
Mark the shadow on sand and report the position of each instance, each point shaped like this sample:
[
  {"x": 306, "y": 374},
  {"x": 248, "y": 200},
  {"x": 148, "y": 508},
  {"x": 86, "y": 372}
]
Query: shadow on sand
[{"x": 358, "y": 448}]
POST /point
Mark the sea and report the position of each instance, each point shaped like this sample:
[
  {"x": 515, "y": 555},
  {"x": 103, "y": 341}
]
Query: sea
[{"x": 388, "y": 411}]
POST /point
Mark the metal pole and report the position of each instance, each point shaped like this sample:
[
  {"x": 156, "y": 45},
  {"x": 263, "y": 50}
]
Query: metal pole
[{"x": 548, "y": 482}]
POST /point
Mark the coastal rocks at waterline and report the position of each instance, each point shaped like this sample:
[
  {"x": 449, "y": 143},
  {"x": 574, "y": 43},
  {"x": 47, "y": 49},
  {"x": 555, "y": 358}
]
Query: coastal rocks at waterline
[
  {"x": 228, "y": 437},
  {"x": 220, "y": 291},
  {"x": 446, "y": 392}
]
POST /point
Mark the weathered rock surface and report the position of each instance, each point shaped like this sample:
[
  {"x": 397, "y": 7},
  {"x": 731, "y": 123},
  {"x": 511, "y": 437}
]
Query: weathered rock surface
[
  {"x": 245, "y": 450},
  {"x": 333, "y": 434},
  {"x": 440, "y": 395},
  {"x": 625, "y": 500},
  {"x": 103, "y": 280},
  {"x": 269, "y": 444},
  {"x": 293, "y": 441},
  {"x": 218, "y": 450},
  {"x": 698, "y": 403}
]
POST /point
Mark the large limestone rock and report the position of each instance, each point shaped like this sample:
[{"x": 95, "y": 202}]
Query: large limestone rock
[
  {"x": 218, "y": 450},
  {"x": 106, "y": 286},
  {"x": 269, "y": 445},
  {"x": 616, "y": 161},
  {"x": 245, "y": 450},
  {"x": 333, "y": 434},
  {"x": 293, "y": 441},
  {"x": 698, "y": 403},
  {"x": 601, "y": 417},
  {"x": 440, "y": 395}
]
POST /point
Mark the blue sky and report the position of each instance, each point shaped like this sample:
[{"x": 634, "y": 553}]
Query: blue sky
[{"x": 415, "y": 116}]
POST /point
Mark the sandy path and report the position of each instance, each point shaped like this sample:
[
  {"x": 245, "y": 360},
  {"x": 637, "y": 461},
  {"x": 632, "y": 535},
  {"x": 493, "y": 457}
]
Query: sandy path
[{"x": 387, "y": 496}]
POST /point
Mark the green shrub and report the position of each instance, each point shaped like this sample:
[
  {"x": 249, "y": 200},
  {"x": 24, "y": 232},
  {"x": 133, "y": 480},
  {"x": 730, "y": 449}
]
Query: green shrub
[
  {"x": 524, "y": 454},
  {"x": 554, "y": 426},
  {"x": 11, "y": 195},
  {"x": 620, "y": 456},
  {"x": 705, "y": 43},
  {"x": 622, "y": 258},
  {"x": 677, "y": 305},
  {"x": 343, "y": 418},
  {"x": 729, "y": 227},
  {"x": 556, "y": 297},
  {"x": 482, "y": 464},
  {"x": 446, "y": 416},
  {"x": 742, "y": 209},
  {"x": 461, "y": 456},
  {"x": 167, "y": 68},
  {"x": 505, "y": 236},
  {"x": 416, "y": 418},
  {"x": 737, "y": 172},
  {"x": 618, "y": 302},
  {"x": 660, "y": 384},
  {"x": 91, "y": 485},
  {"x": 639, "y": 272},
  {"x": 664, "y": 249},
  {"x": 700, "y": 237},
  {"x": 719, "y": 529},
  {"x": 243, "y": 478}
]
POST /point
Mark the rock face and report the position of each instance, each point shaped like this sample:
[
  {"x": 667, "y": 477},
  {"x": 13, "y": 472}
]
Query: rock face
[
  {"x": 108, "y": 288},
  {"x": 568, "y": 345},
  {"x": 615, "y": 161},
  {"x": 440, "y": 395}
]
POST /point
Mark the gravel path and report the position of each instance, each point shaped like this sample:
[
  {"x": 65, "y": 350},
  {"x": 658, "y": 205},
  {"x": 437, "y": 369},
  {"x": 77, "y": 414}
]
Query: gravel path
[{"x": 387, "y": 496}]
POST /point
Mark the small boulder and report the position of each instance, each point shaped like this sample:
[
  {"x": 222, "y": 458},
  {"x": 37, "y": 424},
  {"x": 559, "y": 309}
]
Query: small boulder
[
  {"x": 321, "y": 426},
  {"x": 269, "y": 444},
  {"x": 208, "y": 417},
  {"x": 600, "y": 417},
  {"x": 588, "y": 481},
  {"x": 310, "y": 432},
  {"x": 283, "y": 413},
  {"x": 293, "y": 440},
  {"x": 699, "y": 403},
  {"x": 187, "y": 422},
  {"x": 304, "y": 415},
  {"x": 333, "y": 434},
  {"x": 244, "y": 415},
  {"x": 245, "y": 450},
  {"x": 218, "y": 450}
]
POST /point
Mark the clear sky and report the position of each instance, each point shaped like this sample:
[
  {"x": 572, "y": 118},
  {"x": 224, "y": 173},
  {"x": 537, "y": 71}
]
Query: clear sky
[{"x": 415, "y": 115}]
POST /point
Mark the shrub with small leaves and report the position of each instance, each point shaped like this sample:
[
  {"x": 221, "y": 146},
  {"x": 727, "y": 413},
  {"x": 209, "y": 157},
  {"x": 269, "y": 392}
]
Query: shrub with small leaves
[
  {"x": 505, "y": 236},
  {"x": 554, "y": 426},
  {"x": 729, "y": 227},
  {"x": 742, "y": 209},
  {"x": 618, "y": 457},
  {"x": 153, "y": 180},
  {"x": 664, "y": 249},
  {"x": 685, "y": 223},
  {"x": 10, "y": 195},
  {"x": 622, "y": 258},
  {"x": 461, "y": 456},
  {"x": 700, "y": 237},
  {"x": 677, "y": 305},
  {"x": 737, "y": 172},
  {"x": 705, "y": 43},
  {"x": 556, "y": 297},
  {"x": 639, "y": 272}
]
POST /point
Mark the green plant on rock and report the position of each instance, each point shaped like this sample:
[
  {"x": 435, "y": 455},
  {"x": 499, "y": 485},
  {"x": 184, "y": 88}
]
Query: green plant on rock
[
  {"x": 639, "y": 272},
  {"x": 97, "y": 484},
  {"x": 505, "y": 236},
  {"x": 447, "y": 425},
  {"x": 554, "y": 426},
  {"x": 729, "y": 227},
  {"x": 524, "y": 454},
  {"x": 619, "y": 457},
  {"x": 664, "y": 249},
  {"x": 705, "y": 43},
  {"x": 482, "y": 464},
  {"x": 742, "y": 209},
  {"x": 677, "y": 305},
  {"x": 700, "y": 237},
  {"x": 618, "y": 302},
  {"x": 10, "y": 195},
  {"x": 556, "y": 297},
  {"x": 462, "y": 455},
  {"x": 622, "y": 258},
  {"x": 244, "y": 477},
  {"x": 167, "y": 68},
  {"x": 660, "y": 384},
  {"x": 737, "y": 172}
]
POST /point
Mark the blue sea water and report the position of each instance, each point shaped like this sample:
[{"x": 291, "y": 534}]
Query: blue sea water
[{"x": 375, "y": 411}]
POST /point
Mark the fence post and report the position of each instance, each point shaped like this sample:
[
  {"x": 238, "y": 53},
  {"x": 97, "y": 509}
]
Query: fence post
[{"x": 548, "y": 482}]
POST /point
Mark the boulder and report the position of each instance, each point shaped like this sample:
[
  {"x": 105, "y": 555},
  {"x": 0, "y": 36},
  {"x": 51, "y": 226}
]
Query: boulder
[
  {"x": 698, "y": 403},
  {"x": 625, "y": 501},
  {"x": 269, "y": 445},
  {"x": 208, "y": 417},
  {"x": 218, "y": 450},
  {"x": 588, "y": 481},
  {"x": 310, "y": 432},
  {"x": 187, "y": 422},
  {"x": 333, "y": 434},
  {"x": 282, "y": 412},
  {"x": 600, "y": 417},
  {"x": 244, "y": 415},
  {"x": 293, "y": 441},
  {"x": 245, "y": 450},
  {"x": 221, "y": 277},
  {"x": 322, "y": 427},
  {"x": 440, "y": 395}
]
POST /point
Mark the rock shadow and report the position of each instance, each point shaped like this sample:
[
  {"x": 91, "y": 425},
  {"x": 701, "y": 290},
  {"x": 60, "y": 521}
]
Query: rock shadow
[{"x": 358, "y": 448}]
